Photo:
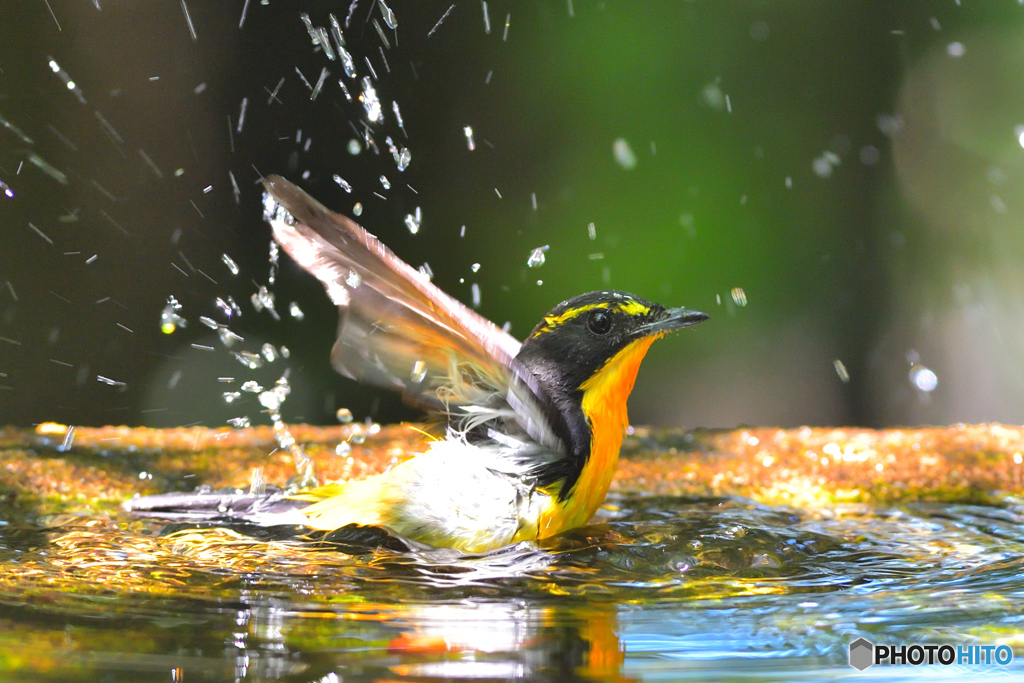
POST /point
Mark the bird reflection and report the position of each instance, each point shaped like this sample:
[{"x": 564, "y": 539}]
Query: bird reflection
[{"x": 510, "y": 640}]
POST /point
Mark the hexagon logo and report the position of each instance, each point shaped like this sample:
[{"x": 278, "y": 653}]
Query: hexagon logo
[{"x": 862, "y": 654}]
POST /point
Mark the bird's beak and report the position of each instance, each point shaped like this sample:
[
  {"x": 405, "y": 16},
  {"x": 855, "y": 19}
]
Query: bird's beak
[{"x": 672, "y": 319}]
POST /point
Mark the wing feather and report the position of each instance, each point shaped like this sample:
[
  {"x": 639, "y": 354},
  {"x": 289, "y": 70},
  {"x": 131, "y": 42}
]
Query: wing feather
[{"x": 398, "y": 330}]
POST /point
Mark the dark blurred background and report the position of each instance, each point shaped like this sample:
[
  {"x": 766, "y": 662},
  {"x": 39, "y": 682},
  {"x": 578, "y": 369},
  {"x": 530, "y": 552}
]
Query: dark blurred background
[{"x": 851, "y": 172}]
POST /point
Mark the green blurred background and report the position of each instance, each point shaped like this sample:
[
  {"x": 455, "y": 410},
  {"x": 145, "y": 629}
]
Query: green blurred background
[{"x": 854, "y": 167}]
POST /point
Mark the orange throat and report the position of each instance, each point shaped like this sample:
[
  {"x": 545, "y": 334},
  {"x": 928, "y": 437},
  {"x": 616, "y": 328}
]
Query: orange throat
[{"x": 604, "y": 404}]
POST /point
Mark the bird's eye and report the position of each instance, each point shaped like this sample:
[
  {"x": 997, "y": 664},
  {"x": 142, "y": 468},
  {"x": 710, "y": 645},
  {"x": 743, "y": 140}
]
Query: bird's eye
[{"x": 599, "y": 322}]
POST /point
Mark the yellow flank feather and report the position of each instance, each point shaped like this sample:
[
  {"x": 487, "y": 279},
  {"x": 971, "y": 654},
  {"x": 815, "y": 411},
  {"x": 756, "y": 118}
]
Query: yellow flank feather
[
  {"x": 604, "y": 404},
  {"x": 365, "y": 502}
]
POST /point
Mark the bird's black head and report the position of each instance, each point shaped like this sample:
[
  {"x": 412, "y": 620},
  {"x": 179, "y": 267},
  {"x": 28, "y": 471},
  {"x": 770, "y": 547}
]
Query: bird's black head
[
  {"x": 586, "y": 352},
  {"x": 578, "y": 336}
]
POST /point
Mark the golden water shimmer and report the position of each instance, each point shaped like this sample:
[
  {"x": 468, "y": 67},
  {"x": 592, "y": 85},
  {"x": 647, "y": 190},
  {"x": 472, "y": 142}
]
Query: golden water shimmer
[{"x": 799, "y": 467}]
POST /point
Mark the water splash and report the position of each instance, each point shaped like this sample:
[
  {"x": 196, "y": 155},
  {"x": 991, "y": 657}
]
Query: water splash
[
  {"x": 230, "y": 263},
  {"x": 414, "y": 220},
  {"x": 371, "y": 102},
  {"x": 389, "y": 16},
  {"x": 342, "y": 183},
  {"x": 272, "y": 400},
  {"x": 170, "y": 320}
]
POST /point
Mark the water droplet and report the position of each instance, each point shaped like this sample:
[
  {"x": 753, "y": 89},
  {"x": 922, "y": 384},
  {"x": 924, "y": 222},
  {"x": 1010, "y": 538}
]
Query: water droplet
[
  {"x": 230, "y": 263},
  {"x": 841, "y": 370},
  {"x": 263, "y": 298},
  {"x": 624, "y": 155},
  {"x": 537, "y": 258},
  {"x": 257, "y": 482},
  {"x": 229, "y": 307},
  {"x": 295, "y": 311},
  {"x": 389, "y": 16},
  {"x": 923, "y": 378},
  {"x": 169, "y": 318},
  {"x": 419, "y": 371},
  {"x": 344, "y": 415},
  {"x": 354, "y": 147},
  {"x": 357, "y": 210},
  {"x": 404, "y": 157},
  {"x": 760, "y": 31},
  {"x": 370, "y": 102},
  {"x": 227, "y": 337},
  {"x": 821, "y": 168},
  {"x": 249, "y": 359},
  {"x": 273, "y": 211},
  {"x": 739, "y": 296},
  {"x": 412, "y": 221},
  {"x": 350, "y": 70},
  {"x": 398, "y": 116},
  {"x": 271, "y": 400}
]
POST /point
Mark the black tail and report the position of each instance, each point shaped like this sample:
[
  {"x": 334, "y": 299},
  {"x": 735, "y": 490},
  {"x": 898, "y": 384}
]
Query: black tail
[{"x": 225, "y": 505}]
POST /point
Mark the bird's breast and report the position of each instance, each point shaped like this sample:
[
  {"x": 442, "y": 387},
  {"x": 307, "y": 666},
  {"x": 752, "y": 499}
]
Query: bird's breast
[{"x": 604, "y": 405}]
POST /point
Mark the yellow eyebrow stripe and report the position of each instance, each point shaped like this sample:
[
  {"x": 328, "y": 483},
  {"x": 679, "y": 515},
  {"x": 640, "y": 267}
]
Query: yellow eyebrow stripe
[
  {"x": 553, "y": 321},
  {"x": 634, "y": 308}
]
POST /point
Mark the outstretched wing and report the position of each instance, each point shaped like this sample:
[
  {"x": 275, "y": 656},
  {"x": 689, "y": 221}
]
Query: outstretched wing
[{"x": 399, "y": 331}]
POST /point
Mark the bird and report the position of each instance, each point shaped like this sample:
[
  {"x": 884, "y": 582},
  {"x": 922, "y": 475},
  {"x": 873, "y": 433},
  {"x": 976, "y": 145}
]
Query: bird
[{"x": 532, "y": 430}]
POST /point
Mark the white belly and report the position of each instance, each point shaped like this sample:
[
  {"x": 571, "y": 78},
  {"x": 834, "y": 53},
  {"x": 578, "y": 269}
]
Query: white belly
[{"x": 456, "y": 495}]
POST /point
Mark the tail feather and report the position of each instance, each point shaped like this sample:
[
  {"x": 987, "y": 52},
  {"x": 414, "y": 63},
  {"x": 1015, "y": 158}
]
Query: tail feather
[
  {"x": 270, "y": 507},
  {"x": 333, "y": 505}
]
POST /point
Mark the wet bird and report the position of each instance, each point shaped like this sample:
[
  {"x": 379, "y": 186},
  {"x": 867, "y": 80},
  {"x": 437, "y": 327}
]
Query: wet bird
[{"x": 533, "y": 429}]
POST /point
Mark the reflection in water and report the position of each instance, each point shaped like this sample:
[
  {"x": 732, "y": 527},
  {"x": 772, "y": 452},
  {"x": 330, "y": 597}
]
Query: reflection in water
[{"x": 659, "y": 587}]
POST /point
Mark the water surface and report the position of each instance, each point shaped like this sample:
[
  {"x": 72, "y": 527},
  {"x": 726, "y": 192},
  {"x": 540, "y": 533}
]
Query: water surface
[{"x": 658, "y": 588}]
